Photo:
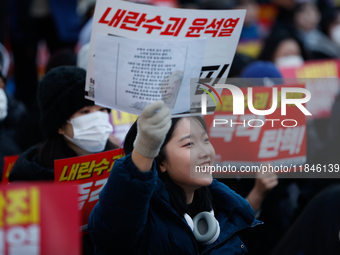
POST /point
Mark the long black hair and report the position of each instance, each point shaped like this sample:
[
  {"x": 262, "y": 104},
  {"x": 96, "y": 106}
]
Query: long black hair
[{"x": 202, "y": 199}]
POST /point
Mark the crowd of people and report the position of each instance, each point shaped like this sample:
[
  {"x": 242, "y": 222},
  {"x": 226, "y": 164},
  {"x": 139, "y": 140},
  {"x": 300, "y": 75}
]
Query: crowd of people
[{"x": 150, "y": 205}]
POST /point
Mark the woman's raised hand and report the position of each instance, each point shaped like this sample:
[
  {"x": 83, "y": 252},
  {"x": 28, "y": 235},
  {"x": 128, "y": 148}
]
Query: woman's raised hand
[{"x": 153, "y": 125}]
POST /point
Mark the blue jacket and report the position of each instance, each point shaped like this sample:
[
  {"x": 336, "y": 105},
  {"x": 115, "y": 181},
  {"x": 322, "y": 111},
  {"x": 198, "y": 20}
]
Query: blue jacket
[{"x": 134, "y": 216}]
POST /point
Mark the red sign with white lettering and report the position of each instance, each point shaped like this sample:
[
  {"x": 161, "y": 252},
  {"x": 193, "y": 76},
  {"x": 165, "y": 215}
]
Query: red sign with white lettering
[{"x": 248, "y": 139}]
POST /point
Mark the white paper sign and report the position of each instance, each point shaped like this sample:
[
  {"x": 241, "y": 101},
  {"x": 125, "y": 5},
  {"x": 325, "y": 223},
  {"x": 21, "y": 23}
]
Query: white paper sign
[
  {"x": 132, "y": 73},
  {"x": 222, "y": 28}
]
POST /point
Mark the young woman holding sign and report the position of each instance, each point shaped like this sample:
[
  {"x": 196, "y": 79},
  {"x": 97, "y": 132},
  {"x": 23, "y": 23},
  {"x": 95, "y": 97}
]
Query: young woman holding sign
[{"x": 151, "y": 205}]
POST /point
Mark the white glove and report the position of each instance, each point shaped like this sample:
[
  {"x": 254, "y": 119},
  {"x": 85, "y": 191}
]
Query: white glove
[{"x": 152, "y": 128}]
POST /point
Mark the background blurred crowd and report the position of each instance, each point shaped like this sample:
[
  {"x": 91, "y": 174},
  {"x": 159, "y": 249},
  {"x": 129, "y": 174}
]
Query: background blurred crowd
[{"x": 38, "y": 35}]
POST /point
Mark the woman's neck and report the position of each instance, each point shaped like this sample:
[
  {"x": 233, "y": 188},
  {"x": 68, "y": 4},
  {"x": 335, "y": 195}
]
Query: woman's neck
[{"x": 190, "y": 197}]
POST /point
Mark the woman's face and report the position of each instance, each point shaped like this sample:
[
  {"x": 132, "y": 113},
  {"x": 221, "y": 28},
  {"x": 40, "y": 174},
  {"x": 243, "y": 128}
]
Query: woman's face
[
  {"x": 67, "y": 128},
  {"x": 189, "y": 147},
  {"x": 288, "y": 54},
  {"x": 288, "y": 47},
  {"x": 308, "y": 17}
]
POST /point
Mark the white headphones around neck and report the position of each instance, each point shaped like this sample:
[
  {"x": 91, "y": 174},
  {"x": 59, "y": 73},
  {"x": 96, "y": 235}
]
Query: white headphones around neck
[{"x": 205, "y": 227}]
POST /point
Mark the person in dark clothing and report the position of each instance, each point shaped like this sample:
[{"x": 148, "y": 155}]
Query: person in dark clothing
[
  {"x": 30, "y": 21},
  {"x": 327, "y": 153},
  {"x": 73, "y": 126},
  {"x": 10, "y": 115},
  {"x": 317, "y": 229},
  {"x": 155, "y": 200}
]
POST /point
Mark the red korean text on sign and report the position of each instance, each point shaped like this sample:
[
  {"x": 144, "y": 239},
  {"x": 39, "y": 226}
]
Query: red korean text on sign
[
  {"x": 132, "y": 21},
  {"x": 219, "y": 28},
  {"x": 174, "y": 28}
]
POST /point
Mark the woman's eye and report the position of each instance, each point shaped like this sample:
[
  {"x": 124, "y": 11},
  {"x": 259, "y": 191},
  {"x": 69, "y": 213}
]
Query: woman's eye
[
  {"x": 188, "y": 144},
  {"x": 85, "y": 111},
  {"x": 103, "y": 109},
  {"x": 207, "y": 140}
]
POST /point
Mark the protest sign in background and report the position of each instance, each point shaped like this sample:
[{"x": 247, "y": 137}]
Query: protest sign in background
[
  {"x": 90, "y": 173},
  {"x": 322, "y": 80},
  {"x": 39, "y": 219},
  {"x": 121, "y": 122},
  {"x": 242, "y": 143},
  {"x": 8, "y": 165}
]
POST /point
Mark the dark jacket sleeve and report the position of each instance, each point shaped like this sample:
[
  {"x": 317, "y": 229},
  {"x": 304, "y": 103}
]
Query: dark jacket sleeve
[{"x": 119, "y": 218}]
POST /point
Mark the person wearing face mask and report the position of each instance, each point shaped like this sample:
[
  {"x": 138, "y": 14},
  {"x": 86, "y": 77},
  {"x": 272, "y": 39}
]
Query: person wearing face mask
[
  {"x": 156, "y": 201},
  {"x": 8, "y": 145},
  {"x": 284, "y": 49},
  {"x": 306, "y": 18},
  {"x": 3, "y": 104},
  {"x": 330, "y": 24},
  {"x": 73, "y": 126}
]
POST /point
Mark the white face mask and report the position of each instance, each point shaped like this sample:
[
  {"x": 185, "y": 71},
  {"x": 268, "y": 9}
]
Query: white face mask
[
  {"x": 335, "y": 34},
  {"x": 91, "y": 131},
  {"x": 3, "y": 105},
  {"x": 289, "y": 61}
]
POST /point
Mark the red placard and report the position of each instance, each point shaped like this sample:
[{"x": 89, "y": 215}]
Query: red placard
[
  {"x": 323, "y": 91},
  {"x": 39, "y": 219},
  {"x": 90, "y": 172},
  {"x": 240, "y": 144},
  {"x": 9, "y": 163}
]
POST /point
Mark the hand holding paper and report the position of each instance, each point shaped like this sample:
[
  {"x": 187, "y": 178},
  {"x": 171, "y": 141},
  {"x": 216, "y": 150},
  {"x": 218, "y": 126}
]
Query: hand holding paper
[{"x": 153, "y": 125}]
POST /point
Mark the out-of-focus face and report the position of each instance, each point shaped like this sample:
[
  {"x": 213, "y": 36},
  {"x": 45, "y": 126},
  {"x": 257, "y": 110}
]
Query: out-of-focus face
[
  {"x": 189, "y": 147},
  {"x": 308, "y": 17},
  {"x": 288, "y": 54},
  {"x": 170, "y": 91},
  {"x": 288, "y": 47},
  {"x": 252, "y": 13},
  {"x": 334, "y": 29}
]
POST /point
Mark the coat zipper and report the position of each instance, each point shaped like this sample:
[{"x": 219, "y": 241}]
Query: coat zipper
[
  {"x": 187, "y": 228},
  {"x": 223, "y": 241}
]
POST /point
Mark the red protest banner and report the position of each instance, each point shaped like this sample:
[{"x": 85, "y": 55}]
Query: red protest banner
[
  {"x": 9, "y": 163},
  {"x": 39, "y": 219},
  {"x": 90, "y": 172},
  {"x": 248, "y": 139},
  {"x": 323, "y": 91}
]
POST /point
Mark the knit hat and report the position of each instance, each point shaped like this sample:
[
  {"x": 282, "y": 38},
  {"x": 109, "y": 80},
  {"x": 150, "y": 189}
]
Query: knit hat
[
  {"x": 262, "y": 70},
  {"x": 61, "y": 93}
]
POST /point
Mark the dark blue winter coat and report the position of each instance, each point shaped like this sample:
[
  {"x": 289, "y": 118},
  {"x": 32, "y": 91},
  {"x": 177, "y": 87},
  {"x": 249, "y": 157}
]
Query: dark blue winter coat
[{"x": 134, "y": 216}]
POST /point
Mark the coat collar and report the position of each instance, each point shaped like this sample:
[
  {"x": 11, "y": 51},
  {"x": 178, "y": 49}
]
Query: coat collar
[{"x": 229, "y": 206}]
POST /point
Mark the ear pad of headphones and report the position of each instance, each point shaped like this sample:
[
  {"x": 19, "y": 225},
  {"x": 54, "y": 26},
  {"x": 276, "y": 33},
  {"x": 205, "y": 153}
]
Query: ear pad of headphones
[{"x": 206, "y": 228}]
